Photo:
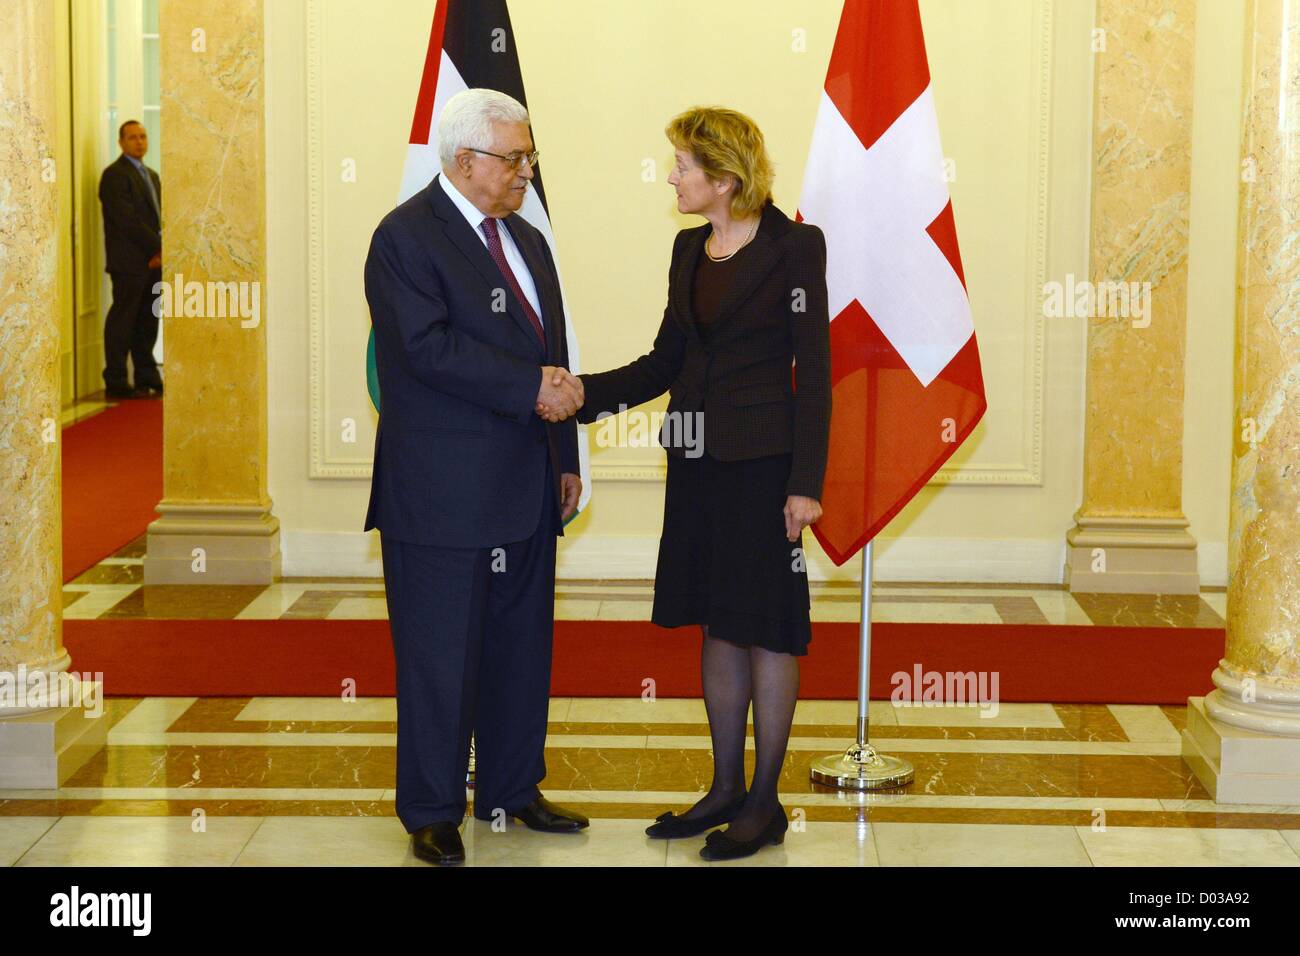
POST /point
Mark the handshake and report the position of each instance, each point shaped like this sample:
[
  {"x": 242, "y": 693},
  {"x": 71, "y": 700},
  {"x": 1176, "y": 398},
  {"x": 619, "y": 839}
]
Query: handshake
[{"x": 561, "y": 394}]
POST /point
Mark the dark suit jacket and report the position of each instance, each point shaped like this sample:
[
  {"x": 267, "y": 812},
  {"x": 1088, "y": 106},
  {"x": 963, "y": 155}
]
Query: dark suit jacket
[
  {"x": 740, "y": 378},
  {"x": 132, "y": 232},
  {"x": 460, "y": 455}
]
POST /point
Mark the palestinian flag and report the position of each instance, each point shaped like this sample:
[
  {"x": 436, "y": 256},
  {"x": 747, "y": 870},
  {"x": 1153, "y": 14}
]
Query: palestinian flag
[{"x": 472, "y": 45}]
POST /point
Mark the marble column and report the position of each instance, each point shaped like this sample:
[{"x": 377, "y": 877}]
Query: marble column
[
  {"x": 216, "y": 525},
  {"x": 1130, "y": 534},
  {"x": 1243, "y": 739},
  {"x": 45, "y": 731}
]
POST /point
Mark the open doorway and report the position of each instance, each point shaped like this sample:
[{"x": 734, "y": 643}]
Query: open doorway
[
  {"x": 108, "y": 72},
  {"x": 111, "y": 75}
]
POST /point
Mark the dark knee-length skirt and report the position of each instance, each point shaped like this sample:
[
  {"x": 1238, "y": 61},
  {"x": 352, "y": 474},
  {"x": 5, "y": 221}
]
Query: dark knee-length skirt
[{"x": 724, "y": 559}]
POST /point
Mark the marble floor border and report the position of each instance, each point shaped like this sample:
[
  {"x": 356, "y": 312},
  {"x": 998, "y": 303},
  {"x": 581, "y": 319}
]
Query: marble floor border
[
  {"x": 633, "y": 741},
  {"x": 676, "y": 717},
  {"x": 578, "y": 599},
  {"x": 821, "y": 798},
  {"x": 287, "y": 840},
  {"x": 1096, "y": 819}
]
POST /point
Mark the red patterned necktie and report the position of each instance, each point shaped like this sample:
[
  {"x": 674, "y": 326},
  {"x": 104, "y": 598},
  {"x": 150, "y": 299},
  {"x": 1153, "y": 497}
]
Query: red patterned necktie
[{"x": 499, "y": 257}]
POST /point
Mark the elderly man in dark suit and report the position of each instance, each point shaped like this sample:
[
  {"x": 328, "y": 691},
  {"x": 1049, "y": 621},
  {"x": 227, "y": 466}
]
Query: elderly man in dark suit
[
  {"x": 131, "y": 195},
  {"x": 470, "y": 487}
]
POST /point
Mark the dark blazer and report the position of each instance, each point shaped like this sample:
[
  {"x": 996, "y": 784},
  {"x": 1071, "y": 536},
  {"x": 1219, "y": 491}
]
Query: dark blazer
[
  {"x": 460, "y": 455},
  {"x": 132, "y": 231},
  {"x": 740, "y": 378}
]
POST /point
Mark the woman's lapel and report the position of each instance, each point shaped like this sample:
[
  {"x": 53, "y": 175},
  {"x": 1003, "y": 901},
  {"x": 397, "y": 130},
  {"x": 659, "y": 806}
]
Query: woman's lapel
[{"x": 756, "y": 261}]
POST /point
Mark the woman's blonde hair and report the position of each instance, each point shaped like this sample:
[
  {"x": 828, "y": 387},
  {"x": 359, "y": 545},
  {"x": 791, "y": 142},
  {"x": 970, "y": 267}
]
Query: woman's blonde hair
[{"x": 726, "y": 143}]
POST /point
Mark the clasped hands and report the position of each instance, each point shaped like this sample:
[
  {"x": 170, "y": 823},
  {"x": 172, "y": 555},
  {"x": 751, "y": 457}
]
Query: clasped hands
[{"x": 561, "y": 394}]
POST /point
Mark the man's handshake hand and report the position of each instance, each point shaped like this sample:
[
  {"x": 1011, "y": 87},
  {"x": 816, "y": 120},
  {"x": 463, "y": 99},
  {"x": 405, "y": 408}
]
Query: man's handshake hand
[{"x": 561, "y": 394}]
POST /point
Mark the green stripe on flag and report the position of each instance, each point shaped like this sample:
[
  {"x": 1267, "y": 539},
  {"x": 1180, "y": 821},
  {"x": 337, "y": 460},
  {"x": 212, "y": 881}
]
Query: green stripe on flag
[{"x": 372, "y": 373}]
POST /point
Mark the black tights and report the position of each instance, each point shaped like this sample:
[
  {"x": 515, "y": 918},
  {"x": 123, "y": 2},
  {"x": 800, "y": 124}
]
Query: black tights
[{"x": 732, "y": 677}]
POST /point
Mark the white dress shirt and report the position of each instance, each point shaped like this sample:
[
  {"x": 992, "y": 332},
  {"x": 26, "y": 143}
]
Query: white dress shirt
[{"x": 513, "y": 257}]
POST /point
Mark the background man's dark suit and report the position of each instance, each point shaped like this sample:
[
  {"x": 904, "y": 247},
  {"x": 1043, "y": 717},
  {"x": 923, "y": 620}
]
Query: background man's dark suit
[
  {"x": 132, "y": 236},
  {"x": 466, "y": 496}
]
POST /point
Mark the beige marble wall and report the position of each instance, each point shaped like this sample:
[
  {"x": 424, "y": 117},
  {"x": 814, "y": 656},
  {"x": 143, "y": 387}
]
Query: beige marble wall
[
  {"x": 1133, "y": 438},
  {"x": 48, "y": 717},
  {"x": 214, "y": 229},
  {"x": 1243, "y": 739},
  {"x": 30, "y": 520},
  {"x": 1264, "y": 515},
  {"x": 214, "y": 233}
]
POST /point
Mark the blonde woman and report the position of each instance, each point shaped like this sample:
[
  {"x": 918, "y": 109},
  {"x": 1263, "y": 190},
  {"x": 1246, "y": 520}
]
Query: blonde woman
[{"x": 746, "y": 299}]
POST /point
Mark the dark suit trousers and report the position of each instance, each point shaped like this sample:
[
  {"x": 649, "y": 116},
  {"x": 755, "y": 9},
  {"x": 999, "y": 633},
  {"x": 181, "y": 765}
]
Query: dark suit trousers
[
  {"x": 131, "y": 327},
  {"x": 472, "y": 631}
]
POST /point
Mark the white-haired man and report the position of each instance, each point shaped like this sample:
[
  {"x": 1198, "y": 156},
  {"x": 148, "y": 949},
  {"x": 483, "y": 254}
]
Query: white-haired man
[{"x": 470, "y": 486}]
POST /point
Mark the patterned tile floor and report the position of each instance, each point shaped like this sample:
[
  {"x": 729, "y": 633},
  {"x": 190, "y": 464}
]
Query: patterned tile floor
[
  {"x": 309, "y": 780},
  {"x": 114, "y": 588}
]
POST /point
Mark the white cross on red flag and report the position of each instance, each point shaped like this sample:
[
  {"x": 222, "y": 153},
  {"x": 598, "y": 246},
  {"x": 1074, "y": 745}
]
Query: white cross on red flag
[{"x": 905, "y": 370}]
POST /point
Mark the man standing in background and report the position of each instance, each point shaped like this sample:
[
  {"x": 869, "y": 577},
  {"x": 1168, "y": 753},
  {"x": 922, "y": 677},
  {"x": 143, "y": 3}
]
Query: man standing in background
[{"x": 131, "y": 194}]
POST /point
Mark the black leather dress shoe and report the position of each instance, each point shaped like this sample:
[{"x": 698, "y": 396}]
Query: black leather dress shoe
[
  {"x": 438, "y": 843},
  {"x": 152, "y": 389},
  {"x": 547, "y": 817}
]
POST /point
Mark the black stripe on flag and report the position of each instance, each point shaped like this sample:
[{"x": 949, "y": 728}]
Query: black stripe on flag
[{"x": 479, "y": 39}]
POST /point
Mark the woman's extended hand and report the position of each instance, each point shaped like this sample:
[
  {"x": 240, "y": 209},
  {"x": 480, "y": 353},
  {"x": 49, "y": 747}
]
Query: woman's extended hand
[{"x": 800, "y": 512}]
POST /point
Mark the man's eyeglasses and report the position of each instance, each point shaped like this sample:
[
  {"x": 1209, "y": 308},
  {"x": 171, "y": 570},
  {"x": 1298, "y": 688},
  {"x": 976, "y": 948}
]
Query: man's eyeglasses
[{"x": 514, "y": 159}]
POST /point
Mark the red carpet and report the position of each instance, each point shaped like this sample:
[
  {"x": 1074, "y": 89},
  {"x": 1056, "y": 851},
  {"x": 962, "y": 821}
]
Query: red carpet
[
  {"x": 112, "y": 478},
  {"x": 1060, "y": 664}
]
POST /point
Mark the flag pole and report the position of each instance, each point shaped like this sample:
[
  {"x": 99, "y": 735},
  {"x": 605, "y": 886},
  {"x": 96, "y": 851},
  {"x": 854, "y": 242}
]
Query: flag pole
[{"x": 861, "y": 767}]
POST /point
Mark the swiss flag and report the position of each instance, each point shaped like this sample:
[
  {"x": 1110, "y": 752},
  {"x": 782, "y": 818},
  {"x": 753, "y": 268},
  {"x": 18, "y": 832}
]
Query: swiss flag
[{"x": 905, "y": 369}]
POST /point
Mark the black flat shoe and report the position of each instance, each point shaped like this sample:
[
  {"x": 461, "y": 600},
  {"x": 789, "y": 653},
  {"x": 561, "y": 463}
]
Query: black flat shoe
[
  {"x": 438, "y": 843},
  {"x": 548, "y": 817},
  {"x": 669, "y": 826},
  {"x": 719, "y": 846}
]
